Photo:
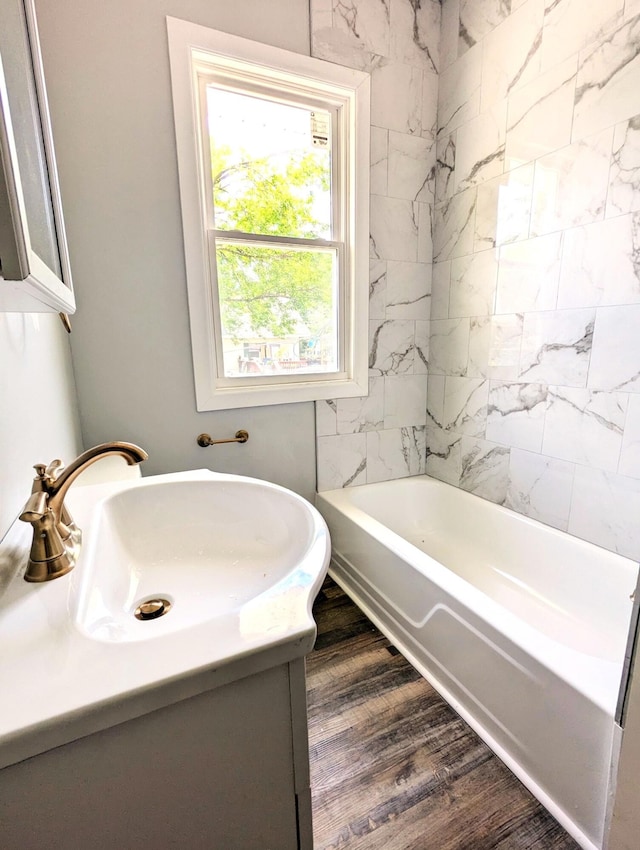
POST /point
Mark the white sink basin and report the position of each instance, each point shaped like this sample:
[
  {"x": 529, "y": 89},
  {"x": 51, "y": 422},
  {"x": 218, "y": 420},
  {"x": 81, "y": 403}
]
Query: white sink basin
[
  {"x": 240, "y": 561},
  {"x": 209, "y": 547}
]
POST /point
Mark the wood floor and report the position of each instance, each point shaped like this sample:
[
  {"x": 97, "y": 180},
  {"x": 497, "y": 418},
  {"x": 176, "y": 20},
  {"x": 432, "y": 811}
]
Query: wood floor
[{"x": 392, "y": 766}]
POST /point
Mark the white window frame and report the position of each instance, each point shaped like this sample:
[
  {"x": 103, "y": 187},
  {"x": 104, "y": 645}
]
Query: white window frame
[{"x": 194, "y": 49}]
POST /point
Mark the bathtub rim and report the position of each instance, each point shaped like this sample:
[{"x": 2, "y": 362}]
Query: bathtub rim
[{"x": 596, "y": 678}]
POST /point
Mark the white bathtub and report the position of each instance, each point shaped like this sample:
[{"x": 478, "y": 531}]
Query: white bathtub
[{"x": 522, "y": 629}]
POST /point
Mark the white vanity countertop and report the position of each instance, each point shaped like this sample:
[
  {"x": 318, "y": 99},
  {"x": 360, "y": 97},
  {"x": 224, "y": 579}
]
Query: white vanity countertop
[{"x": 58, "y": 683}]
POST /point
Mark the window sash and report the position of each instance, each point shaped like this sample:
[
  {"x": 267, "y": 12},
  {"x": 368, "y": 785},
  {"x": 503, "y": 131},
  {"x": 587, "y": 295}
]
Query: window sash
[{"x": 320, "y": 245}]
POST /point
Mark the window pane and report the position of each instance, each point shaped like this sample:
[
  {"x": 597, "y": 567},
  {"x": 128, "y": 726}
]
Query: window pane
[
  {"x": 279, "y": 309},
  {"x": 270, "y": 166}
]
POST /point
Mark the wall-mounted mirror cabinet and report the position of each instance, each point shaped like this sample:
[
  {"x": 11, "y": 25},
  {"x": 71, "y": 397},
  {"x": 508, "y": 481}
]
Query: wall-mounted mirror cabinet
[{"x": 34, "y": 262}]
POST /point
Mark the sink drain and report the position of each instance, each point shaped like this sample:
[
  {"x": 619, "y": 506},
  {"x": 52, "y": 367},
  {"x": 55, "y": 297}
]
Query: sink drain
[{"x": 152, "y": 609}]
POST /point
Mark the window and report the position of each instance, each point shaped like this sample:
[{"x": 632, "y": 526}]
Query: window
[{"x": 273, "y": 158}]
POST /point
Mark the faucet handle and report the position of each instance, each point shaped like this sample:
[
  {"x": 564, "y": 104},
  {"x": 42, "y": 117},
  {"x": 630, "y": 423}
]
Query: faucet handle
[
  {"x": 36, "y": 507},
  {"x": 54, "y": 469}
]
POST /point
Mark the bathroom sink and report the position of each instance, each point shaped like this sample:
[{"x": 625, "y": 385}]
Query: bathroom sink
[
  {"x": 202, "y": 548},
  {"x": 239, "y": 561}
]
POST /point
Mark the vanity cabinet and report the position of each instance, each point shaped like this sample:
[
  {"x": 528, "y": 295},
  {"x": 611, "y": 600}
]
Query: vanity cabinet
[
  {"x": 34, "y": 262},
  {"x": 225, "y": 770}
]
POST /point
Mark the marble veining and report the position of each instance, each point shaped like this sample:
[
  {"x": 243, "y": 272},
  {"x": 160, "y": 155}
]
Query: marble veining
[
  {"x": 585, "y": 427},
  {"x": 570, "y": 25},
  {"x": 590, "y": 254},
  {"x": 454, "y": 226},
  {"x": 516, "y": 414},
  {"x": 485, "y": 469},
  {"x": 624, "y": 176},
  {"x": 570, "y": 185},
  {"x": 511, "y": 54},
  {"x": 445, "y": 165},
  {"x": 556, "y": 347},
  {"x": 607, "y": 87},
  {"x": 415, "y": 29},
  {"x": 478, "y": 19},
  {"x": 541, "y": 115},
  {"x": 392, "y": 347}
]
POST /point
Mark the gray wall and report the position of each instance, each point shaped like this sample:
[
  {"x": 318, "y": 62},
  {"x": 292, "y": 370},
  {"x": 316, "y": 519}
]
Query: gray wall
[
  {"x": 107, "y": 71},
  {"x": 38, "y": 413}
]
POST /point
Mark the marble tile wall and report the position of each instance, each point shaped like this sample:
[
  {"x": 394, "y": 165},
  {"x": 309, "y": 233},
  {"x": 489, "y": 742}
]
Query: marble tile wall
[
  {"x": 534, "y": 365},
  {"x": 382, "y": 436}
]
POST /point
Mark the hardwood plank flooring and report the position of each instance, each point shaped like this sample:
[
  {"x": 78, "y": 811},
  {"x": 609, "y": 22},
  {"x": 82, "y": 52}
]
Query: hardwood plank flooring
[{"x": 392, "y": 765}]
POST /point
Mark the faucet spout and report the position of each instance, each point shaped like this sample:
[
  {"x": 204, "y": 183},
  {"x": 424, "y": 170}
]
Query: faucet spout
[
  {"x": 56, "y": 538},
  {"x": 58, "y": 488}
]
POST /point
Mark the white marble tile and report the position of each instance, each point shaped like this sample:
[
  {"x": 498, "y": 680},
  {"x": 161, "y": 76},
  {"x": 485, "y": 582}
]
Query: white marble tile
[
  {"x": 511, "y": 56},
  {"x": 570, "y": 185},
  {"x": 504, "y": 208},
  {"x": 541, "y": 114},
  {"x": 377, "y": 289},
  {"x": 355, "y": 415},
  {"x": 631, "y": 8},
  {"x": 585, "y": 427},
  {"x": 624, "y": 176},
  {"x": 364, "y": 25},
  {"x": 405, "y": 401},
  {"x": 480, "y": 330},
  {"x": 435, "y": 401},
  {"x": 485, "y": 469},
  {"x": 494, "y": 347},
  {"x": 391, "y": 350},
  {"x": 321, "y": 14},
  {"x": 453, "y": 226},
  {"x": 425, "y": 233},
  {"x": 410, "y": 171},
  {"x": 445, "y": 165},
  {"x": 408, "y": 290},
  {"x": 607, "y": 86},
  {"x": 605, "y": 510},
  {"x": 479, "y": 153},
  {"x": 449, "y": 26},
  {"x": 395, "y": 453},
  {"x": 342, "y": 461},
  {"x": 440, "y": 287},
  {"x": 464, "y": 409},
  {"x": 336, "y": 45},
  {"x": 459, "y": 91},
  {"x": 444, "y": 458},
  {"x": 326, "y": 418},
  {"x": 396, "y": 97},
  {"x": 473, "y": 284},
  {"x": 415, "y": 33},
  {"x": 421, "y": 348},
  {"x": 478, "y": 19},
  {"x": 630, "y": 454},
  {"x": 516, "y": 414},
  {"x": 429, "y": 105},
  {"x": 449, "y": 347},
  {"x": 556, "y": 347},
  {"x": 394, "y": 229},
  {"x": 529, "y": 274},
  {"x": 379, "y": 161},
  {"x": 540, "y": 487},
  {"x": 615, "y": 359},
  {"x": 601, "y": 263},
  {"x": 569, "y": 25}
]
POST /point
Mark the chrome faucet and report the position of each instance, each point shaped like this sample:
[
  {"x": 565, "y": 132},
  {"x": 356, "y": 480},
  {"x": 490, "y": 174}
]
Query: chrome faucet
[{"x": 56, "y": 537}]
